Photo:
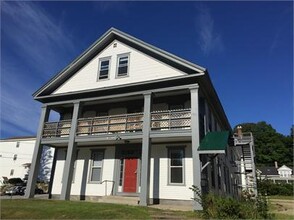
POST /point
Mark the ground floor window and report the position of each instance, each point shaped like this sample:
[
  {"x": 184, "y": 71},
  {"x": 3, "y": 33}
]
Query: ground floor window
[
  {"x": 97, "y": 157},
  {"x": 176, "y": 165}
]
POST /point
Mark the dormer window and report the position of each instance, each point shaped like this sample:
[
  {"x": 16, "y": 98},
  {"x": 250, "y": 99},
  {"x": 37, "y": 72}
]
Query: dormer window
[
  {"x": 123, "y": 65},
  {"x": 104, "y": 65}
]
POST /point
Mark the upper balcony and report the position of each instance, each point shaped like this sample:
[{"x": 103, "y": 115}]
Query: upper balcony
[{"x": 123, "y": 123}]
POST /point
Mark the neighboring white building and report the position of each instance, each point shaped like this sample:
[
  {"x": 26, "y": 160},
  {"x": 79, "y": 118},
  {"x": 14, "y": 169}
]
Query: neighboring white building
[
  {"x": 16, "y": 157},
  {"x": 285, "y": 172},
  {"x": 282, "y": 174}
]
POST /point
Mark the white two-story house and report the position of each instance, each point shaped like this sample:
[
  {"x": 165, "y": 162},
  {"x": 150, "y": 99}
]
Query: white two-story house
[{"x": 132, "y": 117}]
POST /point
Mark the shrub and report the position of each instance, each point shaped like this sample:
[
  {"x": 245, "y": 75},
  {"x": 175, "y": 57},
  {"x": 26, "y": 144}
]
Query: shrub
[
  {"x": 224, "y": 207},
  {"x": 268, "y": 187}
]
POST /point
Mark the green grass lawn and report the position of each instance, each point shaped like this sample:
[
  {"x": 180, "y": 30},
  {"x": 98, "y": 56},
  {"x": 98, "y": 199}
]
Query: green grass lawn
[
  {"x": 281, "y": 197},
  {"x": 54, "y": 209},
  {"x": 281, "y": 207}
]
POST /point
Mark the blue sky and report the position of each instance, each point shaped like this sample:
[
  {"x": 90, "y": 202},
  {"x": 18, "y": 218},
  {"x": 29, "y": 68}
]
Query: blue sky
[{"x": 247, "y": 48}]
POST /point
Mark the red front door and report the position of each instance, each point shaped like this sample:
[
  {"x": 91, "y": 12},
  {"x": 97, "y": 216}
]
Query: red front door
[{"x": 130, "y": 175}]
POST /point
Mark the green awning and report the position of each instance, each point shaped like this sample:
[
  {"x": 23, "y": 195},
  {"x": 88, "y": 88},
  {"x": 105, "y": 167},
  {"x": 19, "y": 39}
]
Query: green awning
[{"x": 215, "y": 141}]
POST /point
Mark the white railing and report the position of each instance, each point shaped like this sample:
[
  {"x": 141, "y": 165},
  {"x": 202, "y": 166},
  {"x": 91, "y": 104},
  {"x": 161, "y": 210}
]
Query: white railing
[{"x": 125, "y": 123}]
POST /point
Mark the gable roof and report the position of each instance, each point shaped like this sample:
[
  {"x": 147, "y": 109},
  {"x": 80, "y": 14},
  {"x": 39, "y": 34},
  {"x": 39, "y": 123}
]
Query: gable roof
[
  {"x": 284, "y": 167},
  {"x": 100, "y": 44},
  {"x": 268, "y": 170}
]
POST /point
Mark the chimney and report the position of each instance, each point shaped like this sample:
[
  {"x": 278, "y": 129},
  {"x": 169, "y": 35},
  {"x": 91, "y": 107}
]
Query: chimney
[
  {"x": 239, "y": 131},
  {"x": 276, "y": 165}
]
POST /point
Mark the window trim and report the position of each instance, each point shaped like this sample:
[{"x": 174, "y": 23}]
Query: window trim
[
  {"x": 169, "y": 148},
  {"x": 117, "y": 65},
  {"x": 99, "y": 66},
  {"x": 91, "y": 165}
]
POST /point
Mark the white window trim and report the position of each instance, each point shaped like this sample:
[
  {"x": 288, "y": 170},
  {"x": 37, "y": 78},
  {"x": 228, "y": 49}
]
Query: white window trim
[
  {"x": 91, "y": 166},
  {"x": 117, "y": 65},
  {"x": 169, "y": 148},
  {"x": 99, "y": 66}
]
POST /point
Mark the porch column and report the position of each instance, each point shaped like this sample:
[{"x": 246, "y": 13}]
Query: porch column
[
  {"x": 35, "y": 166},
  {"x": 145, "y": 170},
  {"x": 195, "y": 142},
  {"x": 71, "y": 155}
]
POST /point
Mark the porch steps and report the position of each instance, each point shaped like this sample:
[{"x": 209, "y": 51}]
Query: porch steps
[{"x": 127, "y": 200}]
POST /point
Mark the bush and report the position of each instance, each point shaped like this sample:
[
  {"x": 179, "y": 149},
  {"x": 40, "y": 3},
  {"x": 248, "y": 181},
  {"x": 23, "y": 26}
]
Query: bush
[
  {"x": 221, "y": 207},
  {"x": 270, "y": 188}
]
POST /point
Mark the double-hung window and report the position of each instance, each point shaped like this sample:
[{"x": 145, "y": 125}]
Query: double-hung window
[
  {"x": 123, "y": 65},
  {"x": 176, "y": 165},
  {"x": 104, "y": 65},
  {"x": 96, "y": 165}
]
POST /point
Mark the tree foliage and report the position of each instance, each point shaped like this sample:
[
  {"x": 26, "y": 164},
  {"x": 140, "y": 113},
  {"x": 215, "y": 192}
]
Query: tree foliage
[
  {"x": 270, "y": 146},
  {"x": 45, "y": 169}
]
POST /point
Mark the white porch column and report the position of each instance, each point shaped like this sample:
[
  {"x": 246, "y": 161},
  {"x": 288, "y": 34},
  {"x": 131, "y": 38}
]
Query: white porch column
[
  {"x": 71, "y": 155},
  {"x": 146, "y": 142},
  {"x": 195, "y": 142},
  {"x": 35, "y": 166}
]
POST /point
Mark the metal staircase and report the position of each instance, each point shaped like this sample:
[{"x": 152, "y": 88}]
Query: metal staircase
[{"x": 246, "y": 165}]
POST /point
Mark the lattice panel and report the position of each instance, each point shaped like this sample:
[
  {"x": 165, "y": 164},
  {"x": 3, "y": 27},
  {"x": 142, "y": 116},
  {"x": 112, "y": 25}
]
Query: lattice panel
[
  {"x": 50, "y": 125},
  {"x": 48, "y": 133},
  {"x": 64, "y": 124},
  {"x": 159, "y": 116},
  {"x": 176, "y": 115},
  {"x": 85, "y": 123},
  {"x": 159, "y": 124},
  {"x": 181, "y": 123},
  {"x": 117, "y": 127},
  {"x": 63, "y": 131},
  {"x": 100, "y": 121},
  {"x": 117, "y": 120},
  {"x": 134, "y": 126},
  {"x": 135, "y": 118},
  {"x": 83, "y": 130},
  {"x": 100, "y": 129}
]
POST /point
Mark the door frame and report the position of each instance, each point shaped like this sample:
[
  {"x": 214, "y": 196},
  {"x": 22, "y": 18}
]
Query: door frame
[{"x": 120, "y": 153}]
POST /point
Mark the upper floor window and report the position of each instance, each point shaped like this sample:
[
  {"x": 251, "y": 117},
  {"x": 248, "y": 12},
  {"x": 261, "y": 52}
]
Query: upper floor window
[
  {"x": 104, "y": 66},
  {"x": 123, "y": 65}
]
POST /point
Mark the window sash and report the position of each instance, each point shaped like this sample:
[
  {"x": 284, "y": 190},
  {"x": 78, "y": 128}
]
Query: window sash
[
  {"x": 176, "y": 165},
  {"x": 96, "y": 166},
  {"x": 123, "y": 66},
  {"x": 104, "y": 69}
]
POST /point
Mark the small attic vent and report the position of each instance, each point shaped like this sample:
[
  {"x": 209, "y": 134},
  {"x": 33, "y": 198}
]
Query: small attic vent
[{"x": 114, "y": 45}]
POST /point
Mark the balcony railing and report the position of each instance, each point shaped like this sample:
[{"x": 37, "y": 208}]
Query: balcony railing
[{"x": 160, "y": 120}]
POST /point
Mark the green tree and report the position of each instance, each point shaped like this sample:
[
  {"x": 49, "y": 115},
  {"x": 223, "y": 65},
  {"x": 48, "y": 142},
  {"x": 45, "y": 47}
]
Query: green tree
[{"x": 270, "y": 146}]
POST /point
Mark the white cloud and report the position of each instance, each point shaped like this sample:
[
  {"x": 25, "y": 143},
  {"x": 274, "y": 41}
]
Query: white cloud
[
  {"x": 34, "y": 47},
  {"x": 209, "y": 39},
  {"x": 35, "y": 34}
]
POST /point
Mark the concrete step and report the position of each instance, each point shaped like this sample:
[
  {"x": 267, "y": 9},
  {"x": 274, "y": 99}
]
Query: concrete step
[{"x": 128, "y": 200}]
